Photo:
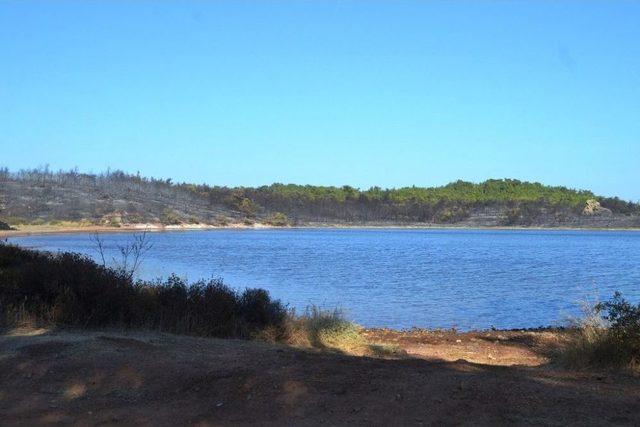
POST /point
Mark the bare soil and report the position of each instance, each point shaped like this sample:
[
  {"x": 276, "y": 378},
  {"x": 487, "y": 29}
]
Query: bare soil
[
  {"x": 114, "y": 378},
  {"x": 503, "y": 348}
]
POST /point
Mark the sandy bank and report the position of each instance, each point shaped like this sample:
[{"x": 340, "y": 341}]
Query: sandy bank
[{"x": 27, "y": 230}]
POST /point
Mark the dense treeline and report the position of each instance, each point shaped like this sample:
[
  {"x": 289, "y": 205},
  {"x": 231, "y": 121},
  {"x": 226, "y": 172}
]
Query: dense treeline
[
  {"x": 449, "y": 203},
  {"x": 70, "y": 195}
]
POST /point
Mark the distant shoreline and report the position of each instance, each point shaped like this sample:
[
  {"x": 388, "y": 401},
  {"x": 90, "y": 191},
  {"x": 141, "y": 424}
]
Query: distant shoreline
[{"x": 133, "y": 228}]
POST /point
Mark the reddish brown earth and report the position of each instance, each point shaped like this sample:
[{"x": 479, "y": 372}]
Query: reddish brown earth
[
  {"x": 505, "y": 348},
  {"x": 108, "y": 378}
]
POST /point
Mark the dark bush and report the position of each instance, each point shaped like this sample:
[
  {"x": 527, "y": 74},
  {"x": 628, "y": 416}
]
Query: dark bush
[
  {"x": 624, "y": 318},
  {"x": 523, "y": 214},
  {"x": 72, "y": 290},
  {"x": 278, "y": 219},
  {"x": 4, "y": 226},
  {"x": 257, "y": 308},
  {"x": 170, "y": 217},
  {"x": 619, "y": 206}
]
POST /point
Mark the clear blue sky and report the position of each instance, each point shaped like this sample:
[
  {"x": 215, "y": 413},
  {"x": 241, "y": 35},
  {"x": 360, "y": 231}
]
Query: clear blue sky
[{"x": 316, "y": 92}]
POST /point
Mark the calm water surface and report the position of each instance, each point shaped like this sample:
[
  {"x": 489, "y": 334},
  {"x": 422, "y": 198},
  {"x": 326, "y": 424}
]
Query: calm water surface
[{"x": 402, "y": 278}]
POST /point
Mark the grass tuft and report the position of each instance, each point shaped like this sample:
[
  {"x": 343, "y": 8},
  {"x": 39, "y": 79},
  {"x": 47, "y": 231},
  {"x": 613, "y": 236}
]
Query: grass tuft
[
  {"x": 330, "y": 329},
  {"x": 608, "y": 336}
]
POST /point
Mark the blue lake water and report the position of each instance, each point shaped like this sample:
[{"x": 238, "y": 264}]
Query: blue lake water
[{"x": 469, "y": 279}]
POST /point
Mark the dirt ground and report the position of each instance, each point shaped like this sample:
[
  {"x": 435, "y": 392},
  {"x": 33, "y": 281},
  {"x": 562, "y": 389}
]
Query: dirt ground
[
  {"x": 111, "y": 378},
  {"x": 504, "y": 348}
]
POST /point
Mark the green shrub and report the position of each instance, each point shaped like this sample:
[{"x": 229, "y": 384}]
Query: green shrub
[
  {"x": 170, "y": 217},
  {"x": 278, "y": 219},
  {"x": 222, "y": 220},
  {"x": 15, "y": 220},
  {"x": 72, "y": 290},
  {"x": 624, "y": 331}
]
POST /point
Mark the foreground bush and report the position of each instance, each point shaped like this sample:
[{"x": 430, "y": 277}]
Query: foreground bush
[
  {"x": 608, "y": 337},
  {"x": 72, "y": 290},
  {"x": 330, "y": 329}
]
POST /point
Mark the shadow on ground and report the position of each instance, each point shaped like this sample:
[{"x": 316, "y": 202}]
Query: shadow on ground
[{"x": 90, "y": 378}]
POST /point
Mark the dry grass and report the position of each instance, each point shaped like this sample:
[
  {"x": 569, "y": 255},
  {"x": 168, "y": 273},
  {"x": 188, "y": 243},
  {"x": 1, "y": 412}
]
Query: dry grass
[
  {"x": 595, "y": 343},
  {"x": 328, "y": 330},
  {"x": 592, "y": 347}
]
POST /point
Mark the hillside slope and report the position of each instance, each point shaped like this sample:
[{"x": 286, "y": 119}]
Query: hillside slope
[{"x": 116, "y": 198}]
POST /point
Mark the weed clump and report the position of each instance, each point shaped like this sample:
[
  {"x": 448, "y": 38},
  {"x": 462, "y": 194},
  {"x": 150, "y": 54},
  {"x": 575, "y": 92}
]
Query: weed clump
[
  {"x": 609, "y": 336},
  {"x": 278, "y": 219},
  {"x": 326, "y": 330},
  {"x": 330, "y": 329}
]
